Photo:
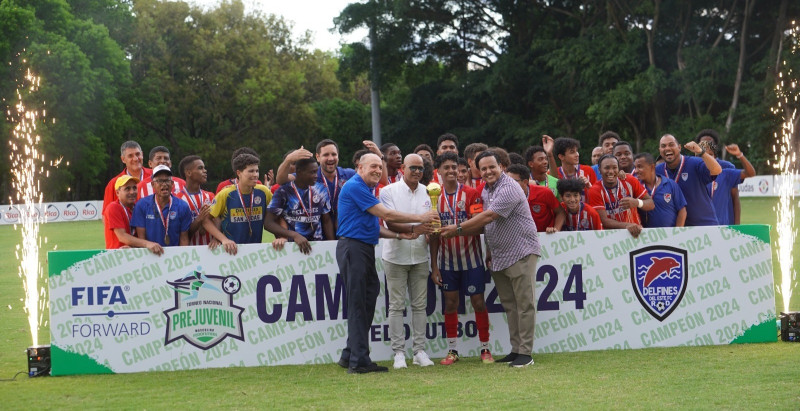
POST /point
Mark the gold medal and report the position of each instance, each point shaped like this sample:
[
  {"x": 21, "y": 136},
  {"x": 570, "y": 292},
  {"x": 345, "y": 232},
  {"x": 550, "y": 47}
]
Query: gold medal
[{"x": 166, "y": 240}]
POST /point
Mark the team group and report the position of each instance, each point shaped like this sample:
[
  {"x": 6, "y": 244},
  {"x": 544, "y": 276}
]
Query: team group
[{"x": 506, "y": 196}]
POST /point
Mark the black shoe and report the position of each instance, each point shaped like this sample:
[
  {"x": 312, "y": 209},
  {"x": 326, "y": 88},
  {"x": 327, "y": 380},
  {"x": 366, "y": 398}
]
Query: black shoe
[
  {"x": 343, "y": 363},
  {"x": 508, "y": 358},
  {"x": 522, "y": 360},
  {"x": 367, "y": 369}
]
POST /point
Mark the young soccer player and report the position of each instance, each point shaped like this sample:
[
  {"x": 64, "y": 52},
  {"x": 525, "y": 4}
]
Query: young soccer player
[
  {"x": 305, "y": 207},
  {"x": 539, "y": 165},
  {"x": 579, "y": 216},
  {"x": 457, "y": 263},
  {"x": 616, "y": 200},
  {"x": 193, "y": 170},
  {"x": 240, "y": 208},
  {"x": 159, "y": 155},
  {"x": 545, "y": 209}
]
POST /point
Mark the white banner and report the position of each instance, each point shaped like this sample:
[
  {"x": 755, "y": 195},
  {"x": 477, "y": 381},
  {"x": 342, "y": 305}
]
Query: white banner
[
  {"x": 758, "y": 186},
  {"x": 129, "y": 310},
  {"x": 52, "y": 212}
]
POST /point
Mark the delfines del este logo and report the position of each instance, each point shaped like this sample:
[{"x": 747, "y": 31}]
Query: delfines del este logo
[
  {"x": 204, "y": 313},
  {"x": 659, "y": 275}
]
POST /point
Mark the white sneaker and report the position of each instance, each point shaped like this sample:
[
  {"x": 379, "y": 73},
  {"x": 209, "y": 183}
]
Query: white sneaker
[
  {"x": 422, "y": 359},
  {"x": 400, "y": 361}
]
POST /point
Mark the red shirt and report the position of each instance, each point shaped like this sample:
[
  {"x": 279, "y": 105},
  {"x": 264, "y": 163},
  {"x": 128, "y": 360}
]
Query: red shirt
[
  {"x": 196, "y": 202},
  {"x": 585, "y": 219},
  {"x": 542, "y": 203},
  {"x": 602, "y": 198},
  {"x": 116, "y": 216},
  {"x": 110, "y": 195}
]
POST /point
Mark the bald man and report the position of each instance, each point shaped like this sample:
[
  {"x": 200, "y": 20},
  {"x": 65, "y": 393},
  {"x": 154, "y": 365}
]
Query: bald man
[{"x": 358, "y": 232}]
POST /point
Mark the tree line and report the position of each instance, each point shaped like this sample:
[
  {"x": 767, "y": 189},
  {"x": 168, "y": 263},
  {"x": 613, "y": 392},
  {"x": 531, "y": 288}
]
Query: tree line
[{"x": 502, "y": 72}]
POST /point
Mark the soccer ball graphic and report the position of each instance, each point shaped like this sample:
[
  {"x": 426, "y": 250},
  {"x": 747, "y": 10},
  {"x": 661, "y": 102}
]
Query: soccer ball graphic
[
  {"x": 231, "y": 284},
  {"x": 660, "y": 306}
]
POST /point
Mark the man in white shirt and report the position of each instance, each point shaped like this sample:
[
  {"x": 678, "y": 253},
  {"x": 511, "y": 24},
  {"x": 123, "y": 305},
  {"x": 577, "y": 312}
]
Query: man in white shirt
[{"x": 406, "y": 262}]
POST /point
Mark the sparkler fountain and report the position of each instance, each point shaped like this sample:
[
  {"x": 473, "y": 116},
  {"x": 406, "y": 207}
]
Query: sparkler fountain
[{"x": 785, "y": 162}]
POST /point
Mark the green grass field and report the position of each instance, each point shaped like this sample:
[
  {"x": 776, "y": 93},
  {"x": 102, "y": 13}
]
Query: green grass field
[{"x": 750, "y": 376}]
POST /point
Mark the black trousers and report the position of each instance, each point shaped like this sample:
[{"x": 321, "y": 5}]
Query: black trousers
[{"x": 357, "y": 266}]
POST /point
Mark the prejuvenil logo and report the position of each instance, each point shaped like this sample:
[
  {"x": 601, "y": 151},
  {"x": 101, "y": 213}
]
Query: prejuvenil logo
[
  {"x": 659, "y": 277},
  {"x": 204, "y": 313}
]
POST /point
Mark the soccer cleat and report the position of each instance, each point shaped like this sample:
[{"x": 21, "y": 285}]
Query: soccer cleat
[
  {"x": 452, "y": 356},
  {"x": 486, "y": 356},
  {"x": 508, "y": 358},
  {"x": 399, "y": 361},
  {"x": 422, "y": 359},
  {"x": 522, "y": 361}
]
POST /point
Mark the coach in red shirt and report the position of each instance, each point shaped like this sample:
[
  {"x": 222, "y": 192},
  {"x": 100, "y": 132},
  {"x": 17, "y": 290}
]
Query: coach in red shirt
[{"x": 133, "y": 158}]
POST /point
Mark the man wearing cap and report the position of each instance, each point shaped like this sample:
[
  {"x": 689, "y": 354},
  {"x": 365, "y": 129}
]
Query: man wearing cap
[
  {"x": 161, "y": 217},
  {"x": 117, "y": 218}
]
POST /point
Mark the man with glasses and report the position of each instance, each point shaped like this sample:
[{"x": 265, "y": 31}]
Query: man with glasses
[
  {"x": 161, "y": 217},
  {"x": 406, "y": 262}
]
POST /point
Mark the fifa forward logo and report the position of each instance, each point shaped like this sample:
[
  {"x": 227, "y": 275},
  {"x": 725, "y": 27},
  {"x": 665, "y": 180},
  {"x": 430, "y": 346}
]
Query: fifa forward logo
[
  {"x": 204, "y": 313},
  {"x": 659, "y": 277}
]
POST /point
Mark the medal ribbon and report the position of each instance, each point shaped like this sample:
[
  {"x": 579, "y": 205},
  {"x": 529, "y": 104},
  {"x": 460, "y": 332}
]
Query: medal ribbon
[
  {"x": 453, "y": 205},
  {"x": 335, "y": 194},
  {"x": 127, "y": 218},
  {"x": 164, "y": 219},
  {"x": 680, "y": 168},
  {"x": 246, "y": 211},
  {"x": 192, "y": 202},
  {"x": 299, "y": 197},
  {"x": 575, "y": 219}
]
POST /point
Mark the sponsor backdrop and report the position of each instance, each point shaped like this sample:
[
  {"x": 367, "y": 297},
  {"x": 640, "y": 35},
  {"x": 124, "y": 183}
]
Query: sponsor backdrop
[
  {"x": 49, "y": 212},
  {"x": 128, "y": 310}
]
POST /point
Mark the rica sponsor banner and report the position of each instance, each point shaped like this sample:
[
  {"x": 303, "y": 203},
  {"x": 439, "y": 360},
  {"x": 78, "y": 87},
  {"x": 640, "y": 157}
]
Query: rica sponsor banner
[
  {"x": 129, "y": 311},
  {"x": 52, "y": 212}
]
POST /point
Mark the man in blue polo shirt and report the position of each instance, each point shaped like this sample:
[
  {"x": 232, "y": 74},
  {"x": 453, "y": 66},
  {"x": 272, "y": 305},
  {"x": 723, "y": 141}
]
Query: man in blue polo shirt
[
  {"x": 161, "y": 217},
  {"x": 359, "y": 231},
  {"x": 724, "y": 191},
  {"x": 670, "y": 204},
  {"x": 692, "y": 175}
]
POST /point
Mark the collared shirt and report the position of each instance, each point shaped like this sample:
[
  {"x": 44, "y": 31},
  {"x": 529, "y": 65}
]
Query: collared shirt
[
  {"x": 692, "y": 177},
  {"x": 145, "y": 187},
  {"x": 603, "y": 198},
  {"x": 334, "y": 188},
  {"x": 145, "y": 215},
  {"x": 720, "y": 192},
  {"x": 459, "y": 253},
  {"x": 110, "y": 194},
  {"x": 117, "y": 216},
  {"x": 511, "y": 237},
  {"x": 196, "y": 201},
  {"x": 668, "y": 199},
  {"x": 354, "y": 220},
  {"x": 400, "y": 197}
]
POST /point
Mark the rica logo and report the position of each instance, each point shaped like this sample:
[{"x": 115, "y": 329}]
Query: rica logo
[{"x": 659, "y": 277}]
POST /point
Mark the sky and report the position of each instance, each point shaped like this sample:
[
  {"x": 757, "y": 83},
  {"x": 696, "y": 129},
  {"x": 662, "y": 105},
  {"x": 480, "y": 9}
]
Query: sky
[{"x": 314, "y": 15}]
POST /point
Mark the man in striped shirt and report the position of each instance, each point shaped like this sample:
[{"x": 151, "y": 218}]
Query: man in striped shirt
[
  {"x": 193, "y": 170},
  {"x": 512, "y": 252},
  {"x": 457, "y": 263}
]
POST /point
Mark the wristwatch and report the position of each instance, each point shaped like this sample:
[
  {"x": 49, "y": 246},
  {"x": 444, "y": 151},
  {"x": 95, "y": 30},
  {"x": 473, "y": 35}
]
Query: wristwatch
[{"x": 458, "y": 228}]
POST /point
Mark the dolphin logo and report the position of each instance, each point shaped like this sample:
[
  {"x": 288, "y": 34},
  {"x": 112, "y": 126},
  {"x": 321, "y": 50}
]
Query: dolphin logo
[{"x": 661, "y": 266}]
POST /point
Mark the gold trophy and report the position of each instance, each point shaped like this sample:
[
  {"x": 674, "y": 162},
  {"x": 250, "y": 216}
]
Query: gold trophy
[{"x": 434, "y": 191}]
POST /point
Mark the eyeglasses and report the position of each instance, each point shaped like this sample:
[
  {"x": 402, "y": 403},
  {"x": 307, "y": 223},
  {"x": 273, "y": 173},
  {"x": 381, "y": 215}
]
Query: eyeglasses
[
  {"x": 162, "y": 181},
  {"x": 416, "y": 169}
]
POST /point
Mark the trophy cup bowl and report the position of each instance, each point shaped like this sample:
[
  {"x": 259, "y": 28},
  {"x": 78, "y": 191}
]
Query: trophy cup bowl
[{"x": 434, "y": 191}]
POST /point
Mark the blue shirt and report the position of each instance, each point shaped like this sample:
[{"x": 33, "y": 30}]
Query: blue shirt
[
  {"x": 725, "y": 164},
  {"x": 354, "y": 220},
  {"x": 302, "y": 214},
  {"x": 596, "y": 169},
  {"x": 669, "y": 200},
  {"x": 333, "y": 189},
  {"x": 692, "y": 176},
  {"x": 242, "y": 223},
  {"x": 146, "y": 216},
  {"x": 720, "y": 192}
]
